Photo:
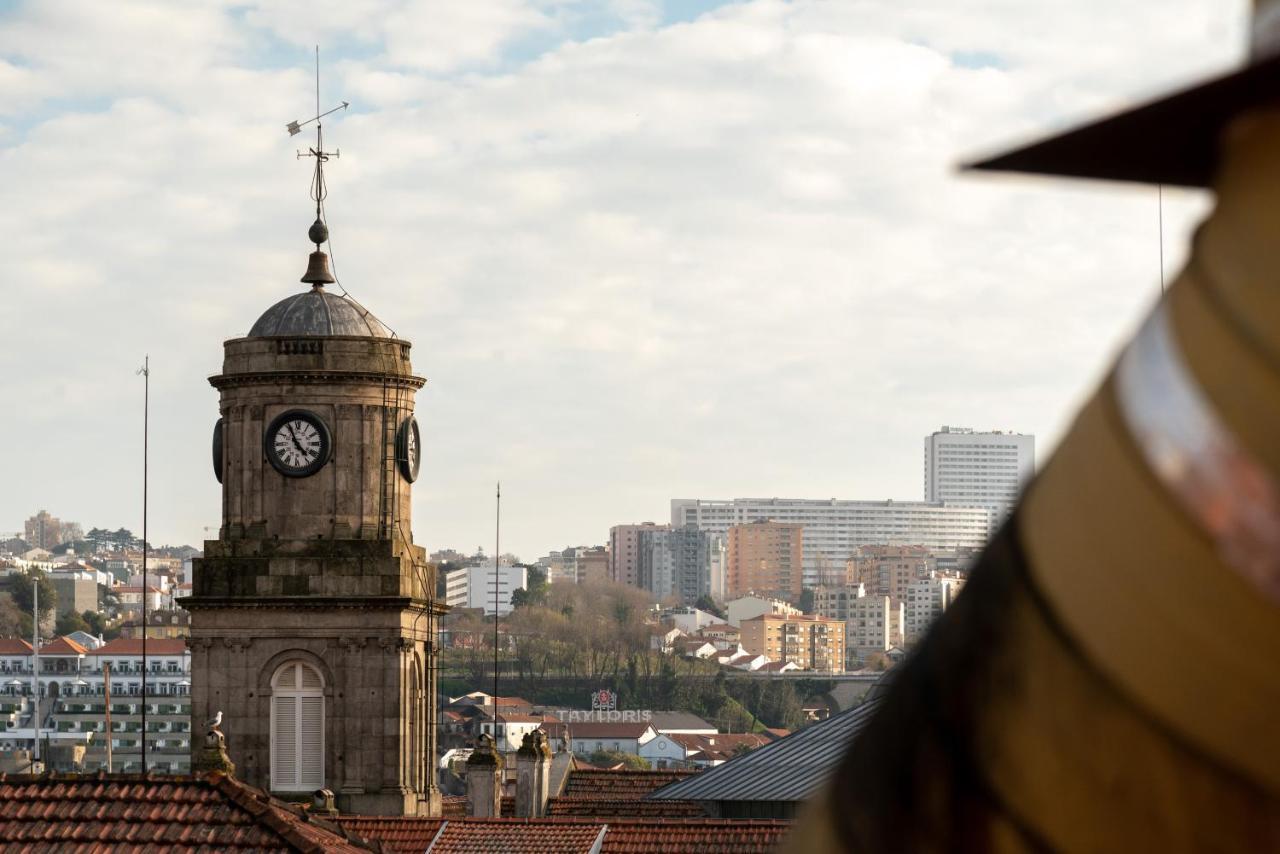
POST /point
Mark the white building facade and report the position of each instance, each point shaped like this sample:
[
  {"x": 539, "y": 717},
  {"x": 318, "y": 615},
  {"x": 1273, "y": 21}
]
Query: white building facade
[
  {"x": 473, "y": 587},
  {"x": 833, "y": 529},
  {"x": 927, "y": 600},
  {"x": 966, "y": 468}
]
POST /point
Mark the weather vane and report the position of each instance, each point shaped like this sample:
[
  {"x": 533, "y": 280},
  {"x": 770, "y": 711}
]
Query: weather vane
[{"x": 319, "y": 232}]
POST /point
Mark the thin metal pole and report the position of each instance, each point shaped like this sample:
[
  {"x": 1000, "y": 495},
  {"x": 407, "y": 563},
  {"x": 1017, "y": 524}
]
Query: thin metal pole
[
  {"x": 35, "y": 669},
  {"x": 146, "y": 409},
  {"x": 497, "y": 550},
  {"x": 106, "y": 691}
]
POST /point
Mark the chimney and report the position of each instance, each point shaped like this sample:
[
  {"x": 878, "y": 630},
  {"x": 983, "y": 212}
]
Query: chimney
[
  {"x": 213, "y": 755},
  {"x": 533, "y": 775},
  {"x": 484, "y": 780},
  {"x": 322, "y": 803}
]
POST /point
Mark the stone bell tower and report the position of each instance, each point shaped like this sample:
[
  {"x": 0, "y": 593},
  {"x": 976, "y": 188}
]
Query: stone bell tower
[{"x": 313, "y": 615}]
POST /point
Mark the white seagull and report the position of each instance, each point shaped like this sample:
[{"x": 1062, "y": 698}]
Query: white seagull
[{"x": 213, "y": 722}]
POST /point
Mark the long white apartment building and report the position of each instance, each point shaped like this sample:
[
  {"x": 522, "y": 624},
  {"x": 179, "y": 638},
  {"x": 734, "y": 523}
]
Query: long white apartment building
[
  {"x": 968, "y": 468},
  {"x": 834, "y": 529},
  {"x": 473, "y": 587}
]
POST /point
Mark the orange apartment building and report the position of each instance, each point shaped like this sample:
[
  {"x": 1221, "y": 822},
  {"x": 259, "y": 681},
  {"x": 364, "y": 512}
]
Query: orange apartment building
[
  {"x": 766, "y": 558},
  {"x": 809, "y": 642},
  {"x": 889, "y": 570}
]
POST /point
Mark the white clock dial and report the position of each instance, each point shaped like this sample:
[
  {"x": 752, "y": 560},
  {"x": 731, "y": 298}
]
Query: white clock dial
[
  {"x": 297, "y": 443},
  {"x": 413, "y": 450}
]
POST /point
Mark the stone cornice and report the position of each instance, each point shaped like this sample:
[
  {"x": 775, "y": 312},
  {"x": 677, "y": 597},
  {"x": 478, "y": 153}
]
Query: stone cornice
[
  {"x": 313, "y": 603},
  {"x": 365, "y": 378}
]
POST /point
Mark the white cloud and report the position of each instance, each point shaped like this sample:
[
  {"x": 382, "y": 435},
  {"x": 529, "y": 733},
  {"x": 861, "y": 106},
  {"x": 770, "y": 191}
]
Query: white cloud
[{"x": 723, "y": 257}]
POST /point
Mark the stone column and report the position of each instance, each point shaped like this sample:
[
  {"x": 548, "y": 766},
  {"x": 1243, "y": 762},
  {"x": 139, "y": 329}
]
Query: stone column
[
  {"x": 484, "y": 780},
  {"x": 533, "y": 775}
]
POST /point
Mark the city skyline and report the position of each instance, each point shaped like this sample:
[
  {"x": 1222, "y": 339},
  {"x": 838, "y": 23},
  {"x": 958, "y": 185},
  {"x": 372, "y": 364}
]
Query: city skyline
[{"x": 692, "y": 248}]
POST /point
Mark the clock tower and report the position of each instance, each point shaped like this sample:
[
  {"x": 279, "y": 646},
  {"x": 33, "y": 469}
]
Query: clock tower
[{"x": 313, "y": 618}]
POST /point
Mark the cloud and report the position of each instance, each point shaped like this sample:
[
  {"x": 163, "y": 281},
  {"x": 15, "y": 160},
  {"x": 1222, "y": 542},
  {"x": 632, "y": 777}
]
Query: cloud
[{"x": 724, "y": 256}]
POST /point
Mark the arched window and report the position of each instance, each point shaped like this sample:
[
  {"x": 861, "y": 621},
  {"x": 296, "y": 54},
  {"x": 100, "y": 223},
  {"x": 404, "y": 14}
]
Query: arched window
[{"x": 297, "y": 728}]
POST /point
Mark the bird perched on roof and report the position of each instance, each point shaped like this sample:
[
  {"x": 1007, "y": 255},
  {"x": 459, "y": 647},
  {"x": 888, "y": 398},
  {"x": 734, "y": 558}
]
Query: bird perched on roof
[
  {"x": 215, "y": 721},
  {"x": 1106, "y": 681}
]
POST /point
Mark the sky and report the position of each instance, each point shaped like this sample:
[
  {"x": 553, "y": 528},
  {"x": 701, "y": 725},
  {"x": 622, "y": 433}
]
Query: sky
[{"x": 643, "y": 249}]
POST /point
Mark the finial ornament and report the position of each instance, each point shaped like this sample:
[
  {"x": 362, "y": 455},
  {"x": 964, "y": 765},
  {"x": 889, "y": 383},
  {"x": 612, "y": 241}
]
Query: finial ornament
[{"x": 317, "y": 274}]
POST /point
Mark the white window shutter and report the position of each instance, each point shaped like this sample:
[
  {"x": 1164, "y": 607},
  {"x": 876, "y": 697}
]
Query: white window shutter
[
  {"x": 284, "y": 743},
  {"x": 311, "y": 741}
]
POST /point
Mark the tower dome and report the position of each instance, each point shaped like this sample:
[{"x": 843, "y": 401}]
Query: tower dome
[{"x": 317, "y": 312}]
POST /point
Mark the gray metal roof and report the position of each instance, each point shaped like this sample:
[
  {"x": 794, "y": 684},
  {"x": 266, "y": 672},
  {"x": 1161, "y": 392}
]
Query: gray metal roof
[
  {"x": 790, "y": 769},
  {"x": 317, "y": 312}
]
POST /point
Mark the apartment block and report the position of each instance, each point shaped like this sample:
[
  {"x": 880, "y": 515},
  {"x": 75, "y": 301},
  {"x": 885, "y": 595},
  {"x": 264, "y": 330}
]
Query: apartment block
[
  {"x": 873, "y": 622},
  {"x": 834, "y": 529},
  {"x": 968, "y": 468},
  {"x": 927, "y": 600},
  {"x": 624, "y": 551},
  {"x": 481, "y": 587},
  {"x": 676, "y": 563},
  {"x": 808, "y": 642},
  {"x": 889, "y": 570},
  {"x": 766, "y": 558}
]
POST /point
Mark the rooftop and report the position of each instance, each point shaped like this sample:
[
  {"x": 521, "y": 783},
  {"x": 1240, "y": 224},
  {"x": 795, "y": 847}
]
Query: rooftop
[
  {"x": 615, "y": 836},
  {"x": 133, "y": 646},
  {"x": 318, "y": 312},
  {"x": 130, "y": 812},
  {"x": 618, "y": 785},
  {"x": 789, "y": 769}
]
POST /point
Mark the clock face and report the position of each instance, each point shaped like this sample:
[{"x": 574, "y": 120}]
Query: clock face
[
  {"x": 297, "y": 443},
  {"x": 409, "y": 449},
  {"x": 217, "y": 450}
]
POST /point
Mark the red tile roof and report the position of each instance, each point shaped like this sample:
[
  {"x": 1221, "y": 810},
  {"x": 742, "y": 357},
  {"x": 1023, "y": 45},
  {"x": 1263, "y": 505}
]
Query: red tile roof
[
  {"x": 516, "y": 836},
  {"x": 613, "y": 808},
  {"x": 14, "y": 646},
  {"x": 133, "y": 646},
  {"x": 395, "y": 833},
  {"x": 707, "y": 836},
  {"x": 606, "y": 729},
  {"x": 555, "y": 835},
  {"x": 133, "y": 813},
  {"x": 62, "y": 646},
  {"x": 618, "y": 785}
]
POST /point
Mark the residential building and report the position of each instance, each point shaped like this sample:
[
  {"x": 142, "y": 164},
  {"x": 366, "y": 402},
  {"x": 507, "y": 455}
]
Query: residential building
[
  {"x": 873, "y": 621},
  {"x": 888, "y": 570},
  {"x": 77, "y": 591},
  {"x": 927, "y": 599},
  {"x": 809, "y": 642},
  {"x": 746, "y": 607},
  {"x": 76, "y": 677},
  {"x": 620, "y": 736},
  {"x": 967, "y": 468},
  {"x": 766, "y": 558},
  {"x": 473, "y": 587},
  {"x": 43, "y": 531},
  {"x": 624, "y": 551},
  {"x": 131, "y": 598},
  {"x": 833, "y": 529},
  {"x": 593, "y": 564},
  {"x": 673, "y": 563}
]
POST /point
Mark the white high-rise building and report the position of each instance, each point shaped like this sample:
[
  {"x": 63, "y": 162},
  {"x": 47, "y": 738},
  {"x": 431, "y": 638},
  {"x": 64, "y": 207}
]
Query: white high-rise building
[
  {"x": 964, "y": 468},
  {"x": 472, "y": 587},
  {"x": 834, "y": 529}
]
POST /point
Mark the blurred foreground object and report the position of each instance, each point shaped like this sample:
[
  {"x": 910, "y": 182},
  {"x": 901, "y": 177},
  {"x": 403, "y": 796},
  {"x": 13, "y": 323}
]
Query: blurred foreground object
[{"x": 1107, "y": 680}]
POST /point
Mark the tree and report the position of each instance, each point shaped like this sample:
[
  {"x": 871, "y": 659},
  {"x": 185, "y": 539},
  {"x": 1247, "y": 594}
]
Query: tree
[
  {"x": 71, "y": 622},
  {"x": 806, "y": 601},
  {"x": 13, "y": 622},
  {"x": 96, "y": 622},
  {"x": 706, "y": 603},
  {"x": 610, "y": 758},
  {"x": 23, "y": 586}
]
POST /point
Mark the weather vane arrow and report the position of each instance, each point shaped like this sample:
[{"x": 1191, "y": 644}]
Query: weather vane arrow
[{"x": 295, "y": 128}]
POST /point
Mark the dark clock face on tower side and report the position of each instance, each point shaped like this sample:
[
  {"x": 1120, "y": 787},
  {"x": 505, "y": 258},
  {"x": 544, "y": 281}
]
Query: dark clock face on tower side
[
  {"x": 408, "y": 449},
  {"x": 297, "y": 443}
]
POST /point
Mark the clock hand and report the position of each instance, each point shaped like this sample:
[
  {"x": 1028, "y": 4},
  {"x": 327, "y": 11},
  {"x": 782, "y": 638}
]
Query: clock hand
[{"x": 294, "y": 437}]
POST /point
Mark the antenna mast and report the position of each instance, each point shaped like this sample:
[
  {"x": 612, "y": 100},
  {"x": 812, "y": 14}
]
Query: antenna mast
[{"x": 497, "y": 550}]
